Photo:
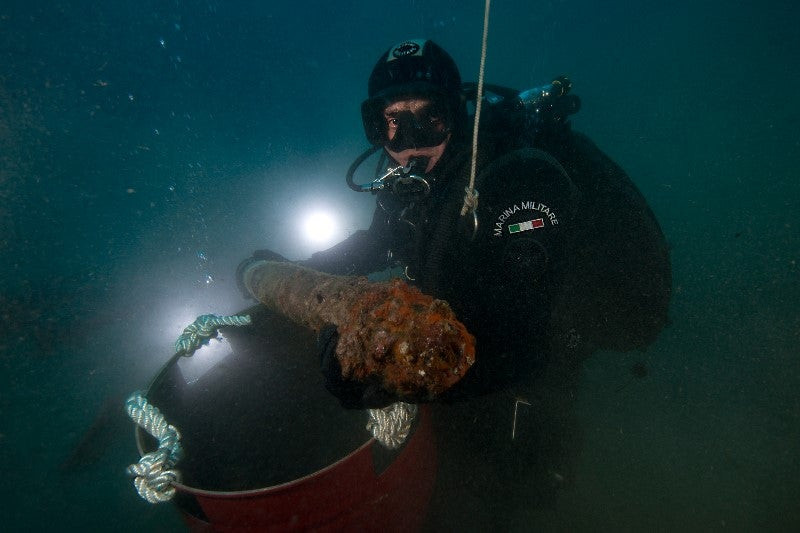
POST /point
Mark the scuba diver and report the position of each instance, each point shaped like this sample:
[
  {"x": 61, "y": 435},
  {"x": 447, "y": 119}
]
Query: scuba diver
[{"x": 561, "y": 257}]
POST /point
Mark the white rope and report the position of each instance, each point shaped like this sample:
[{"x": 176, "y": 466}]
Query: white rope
[
  {"x": 154, "y": 474},
  {"x": 203, "y": 328},
  {"x": 391, "y": 425},
  {"x": 471, "y": 197}
]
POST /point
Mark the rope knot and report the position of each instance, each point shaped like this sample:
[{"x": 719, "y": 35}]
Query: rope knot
[
  {"x": 154, "y": 474},
  {"x": 470, "y": 201},
  {"x": 203, "y": 328},
  {"x": 391, "y": 425}
]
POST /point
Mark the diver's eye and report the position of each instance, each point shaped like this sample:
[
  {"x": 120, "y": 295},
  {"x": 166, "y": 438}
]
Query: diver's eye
[
  {"x": 392, "y": 122},
  {"x": 436, "y": 123}
]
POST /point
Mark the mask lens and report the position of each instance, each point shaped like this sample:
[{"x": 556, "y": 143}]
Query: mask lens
[
  {"x": 422, "y": 129},
  {"x": 374, "y": 123}
]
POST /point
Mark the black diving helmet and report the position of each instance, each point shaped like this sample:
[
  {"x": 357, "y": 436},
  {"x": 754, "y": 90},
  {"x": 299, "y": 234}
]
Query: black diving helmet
[
  {"x": 418, "y": 69},
  {"x": 415, "y": 68}
]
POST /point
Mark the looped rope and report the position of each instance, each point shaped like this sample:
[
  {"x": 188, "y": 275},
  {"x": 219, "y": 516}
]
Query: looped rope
[
  {"x": 154, "y": 473},
  {"x": 471, "y": 199},
  {"x": 203, "y": 328},
  {"x": 154, "y": 476},
  {"x": 391, "y": 425}
]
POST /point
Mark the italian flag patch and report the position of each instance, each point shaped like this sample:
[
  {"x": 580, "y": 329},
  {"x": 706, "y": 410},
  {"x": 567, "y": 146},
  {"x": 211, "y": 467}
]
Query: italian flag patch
[{"x": 525, "y": 226}]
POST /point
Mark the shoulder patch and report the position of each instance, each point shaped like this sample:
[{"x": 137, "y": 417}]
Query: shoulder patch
[{"x": 524, "y": 216}]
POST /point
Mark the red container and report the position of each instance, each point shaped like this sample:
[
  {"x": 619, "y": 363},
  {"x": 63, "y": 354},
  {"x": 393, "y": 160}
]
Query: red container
[{"x": 268, "y": 449}]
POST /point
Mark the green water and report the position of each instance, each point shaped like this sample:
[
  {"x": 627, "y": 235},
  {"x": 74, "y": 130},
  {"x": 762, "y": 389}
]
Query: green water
[{"x": 136, "y": 173}]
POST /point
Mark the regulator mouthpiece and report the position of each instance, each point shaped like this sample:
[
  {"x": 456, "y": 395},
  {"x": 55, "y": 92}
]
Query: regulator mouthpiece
[{"x": 410, "y": 180}]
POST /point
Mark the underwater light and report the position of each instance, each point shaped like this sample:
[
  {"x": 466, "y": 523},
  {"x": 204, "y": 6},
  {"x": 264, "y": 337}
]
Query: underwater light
[{"x": 320, "y": 228}]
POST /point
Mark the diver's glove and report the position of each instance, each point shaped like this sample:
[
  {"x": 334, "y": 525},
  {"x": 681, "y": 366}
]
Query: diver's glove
[
  {"x": 258, "y": 255},
  {"x": 351, "y": 394}
]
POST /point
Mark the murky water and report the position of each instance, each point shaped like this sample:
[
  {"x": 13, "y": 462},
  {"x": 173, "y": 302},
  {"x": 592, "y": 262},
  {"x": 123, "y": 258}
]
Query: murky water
[{"x": 148, "y": 147}]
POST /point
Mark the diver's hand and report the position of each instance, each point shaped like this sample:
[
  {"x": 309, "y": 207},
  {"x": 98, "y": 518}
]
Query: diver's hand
[
  {"x": 258, "y": 255},
  {"x": 351, "y": 394}
]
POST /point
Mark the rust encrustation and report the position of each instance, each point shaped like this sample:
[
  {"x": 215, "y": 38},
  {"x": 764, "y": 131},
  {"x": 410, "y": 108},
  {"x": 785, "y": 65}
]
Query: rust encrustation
[{"x": 389, "y": 332}]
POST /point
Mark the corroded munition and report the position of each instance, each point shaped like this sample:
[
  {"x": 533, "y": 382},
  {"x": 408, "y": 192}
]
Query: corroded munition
[{"x": 412, "y": 344}]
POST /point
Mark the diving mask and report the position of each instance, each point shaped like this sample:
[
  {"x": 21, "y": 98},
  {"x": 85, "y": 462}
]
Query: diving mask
[{"x": 424, "y": 127}]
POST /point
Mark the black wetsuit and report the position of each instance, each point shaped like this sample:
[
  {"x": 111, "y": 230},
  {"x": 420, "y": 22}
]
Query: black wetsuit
[{"x": 567, "y": 258}]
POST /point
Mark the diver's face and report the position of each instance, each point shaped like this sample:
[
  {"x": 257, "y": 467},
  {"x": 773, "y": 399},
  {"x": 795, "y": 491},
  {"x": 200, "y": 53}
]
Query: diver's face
[{"x": 415, "y": 128}]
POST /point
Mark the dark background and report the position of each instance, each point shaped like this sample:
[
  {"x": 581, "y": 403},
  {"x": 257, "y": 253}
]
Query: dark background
[{"x": 134, "y": 175}]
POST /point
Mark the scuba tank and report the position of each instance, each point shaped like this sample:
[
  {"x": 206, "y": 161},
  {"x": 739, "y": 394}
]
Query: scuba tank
[
  {"x": 547, "y": 105},
  {"x": 532, "y": 114}
]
